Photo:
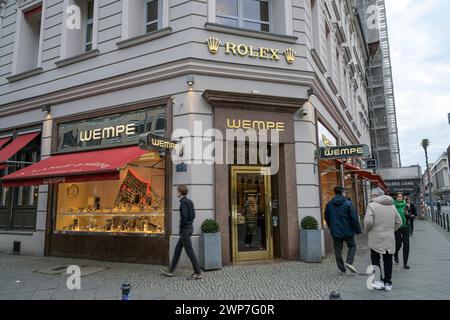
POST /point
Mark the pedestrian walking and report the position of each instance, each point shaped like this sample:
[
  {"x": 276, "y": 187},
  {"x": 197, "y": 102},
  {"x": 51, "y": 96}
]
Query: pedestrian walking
[
  {"x": 402, "y": 234},
  {"x": 411, "y": 208},
  {"x": 343, "y": 222},
  {"x": 381, "y": 222},
  {"x": 187, "y": 216}
]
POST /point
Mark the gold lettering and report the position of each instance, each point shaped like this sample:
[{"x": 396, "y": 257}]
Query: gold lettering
[
  {"x": 234, "y": 124},
  {"x": 131, "y": 129},
  {"x": 86, "y": 135},
  {"x": 270, "y": 125},
  {"x": 275, "y": 54},
  {"x": 230, "y": 47},
  {"x": 264, "y": 53},
  {"x": 97, "y": 134},
  {"x": 246, "y": 124},
  {"x": 108, "y": 132},
  {"x": 260, "y": 125},
  {"x": 242, "y": 50},
  {"x": 252, "y": 53},
  {"x": 280, "y": 126},
  {"x": 360, "y": 150},
  {"x": 120, "y": 129}
]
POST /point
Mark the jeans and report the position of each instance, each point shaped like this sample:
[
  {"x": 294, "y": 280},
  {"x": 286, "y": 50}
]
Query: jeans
[
  {"x": 387, "y": 261},
  {"x": 338, "y": 246},
  {"x": 402, "y": 238},
  {"x": 186, "y": 243}
]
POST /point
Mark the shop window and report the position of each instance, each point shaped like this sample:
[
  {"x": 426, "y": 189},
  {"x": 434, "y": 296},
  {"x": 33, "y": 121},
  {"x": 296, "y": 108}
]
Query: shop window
[
  {"x": 329, "y": 179},
  {"x": 18, "y": 206},
  {"x": 80, "y": 40},
  {"x": 28, "y": 39},
  {"x": 247, "y": 14},
  {"x": 132, "y": 205}
]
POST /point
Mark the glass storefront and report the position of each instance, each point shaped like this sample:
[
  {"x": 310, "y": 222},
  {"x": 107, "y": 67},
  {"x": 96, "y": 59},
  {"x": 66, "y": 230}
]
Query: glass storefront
[
  {"x": 133, "y": 204},
  {"x": 329, "y": 179}
]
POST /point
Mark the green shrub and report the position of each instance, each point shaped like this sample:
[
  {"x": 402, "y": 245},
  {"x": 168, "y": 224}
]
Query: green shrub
[
  {"x": 210, "y": 226},
  {"x": 309, "y": 223}
]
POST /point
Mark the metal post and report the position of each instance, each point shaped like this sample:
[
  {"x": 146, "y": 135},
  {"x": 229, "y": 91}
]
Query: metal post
[
  {"x": 448, "y": 223},
  {"x": 126, "y": 288}
]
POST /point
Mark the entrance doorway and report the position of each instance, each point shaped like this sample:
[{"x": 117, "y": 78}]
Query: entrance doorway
[{"x": 251, "y": 214}]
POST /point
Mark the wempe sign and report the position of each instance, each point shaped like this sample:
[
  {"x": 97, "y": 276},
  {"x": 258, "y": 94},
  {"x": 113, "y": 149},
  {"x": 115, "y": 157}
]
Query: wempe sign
[{"x": 345, "y": 152}]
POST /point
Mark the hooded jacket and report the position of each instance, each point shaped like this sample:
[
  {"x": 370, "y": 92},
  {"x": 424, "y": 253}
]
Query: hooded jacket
[
  {"x": 381, "y": 221},
  {"x": 342, "y": 218}
]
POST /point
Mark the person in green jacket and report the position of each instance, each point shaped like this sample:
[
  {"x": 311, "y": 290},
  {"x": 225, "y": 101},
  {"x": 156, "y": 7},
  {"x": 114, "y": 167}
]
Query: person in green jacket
[{"x": 402, "y": 234}]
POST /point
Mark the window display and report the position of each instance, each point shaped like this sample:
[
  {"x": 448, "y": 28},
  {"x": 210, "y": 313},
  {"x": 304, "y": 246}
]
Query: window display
[{"x": 133, "y": 204}]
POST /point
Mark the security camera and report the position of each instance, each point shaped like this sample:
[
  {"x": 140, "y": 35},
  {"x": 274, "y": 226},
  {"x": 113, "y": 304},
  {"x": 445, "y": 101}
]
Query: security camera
[{"x": 303, "y": 112}]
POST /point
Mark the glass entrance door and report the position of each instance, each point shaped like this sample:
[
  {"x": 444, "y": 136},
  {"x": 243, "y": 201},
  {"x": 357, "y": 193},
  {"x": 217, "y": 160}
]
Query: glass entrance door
[{"x": 251, "y": 215}]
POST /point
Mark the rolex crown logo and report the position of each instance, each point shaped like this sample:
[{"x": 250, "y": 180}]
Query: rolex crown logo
[
  {"x": 290, "y": 55},
  {"x": 213, "y": 45}
]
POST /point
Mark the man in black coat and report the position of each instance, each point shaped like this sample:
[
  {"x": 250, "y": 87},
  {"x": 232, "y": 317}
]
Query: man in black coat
[
  {"x": 187, "y": 216},
  {"x": 343, "y": 222},
  {"x": 412, "y": 214}
]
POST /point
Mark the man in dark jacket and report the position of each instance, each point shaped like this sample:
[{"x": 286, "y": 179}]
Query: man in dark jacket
[
  {"x": 187, "y": 216},
  {"x": 343, "y": 222}
]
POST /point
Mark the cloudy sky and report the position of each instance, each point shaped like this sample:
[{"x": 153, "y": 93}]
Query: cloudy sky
[{"x": 419, "y": 34}]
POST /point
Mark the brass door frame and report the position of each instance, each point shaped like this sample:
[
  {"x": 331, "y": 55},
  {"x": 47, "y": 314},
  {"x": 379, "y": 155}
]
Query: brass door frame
[{"x": 251, "y": 255}]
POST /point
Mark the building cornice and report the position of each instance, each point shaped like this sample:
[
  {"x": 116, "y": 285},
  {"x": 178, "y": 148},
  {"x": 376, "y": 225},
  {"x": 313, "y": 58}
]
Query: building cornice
[{"x": 182, "y": 68}]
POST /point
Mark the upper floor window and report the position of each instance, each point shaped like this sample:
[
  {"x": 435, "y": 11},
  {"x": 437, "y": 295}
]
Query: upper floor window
[
  {"x": 82, "y": 36},
  {"x": 89, "y": 26},
  {"x": 28, "y": 39},
  {"x": 140, "y": 17},
  {"x": 247, "y": 14},
  {"x": 152, "y": 15}
]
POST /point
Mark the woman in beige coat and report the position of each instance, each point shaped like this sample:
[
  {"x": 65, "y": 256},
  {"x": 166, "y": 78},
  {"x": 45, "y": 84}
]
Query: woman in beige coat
[{"x": 381, "y": 221}]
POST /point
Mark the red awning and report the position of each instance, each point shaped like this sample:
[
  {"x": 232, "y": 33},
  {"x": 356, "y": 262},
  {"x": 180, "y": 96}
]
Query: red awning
[
  {"x": 18, "y": 144},
  {"x": 75, "y": 167},
  {"x": 366, "y": 175},
  {"x": 4, "y": 141}
]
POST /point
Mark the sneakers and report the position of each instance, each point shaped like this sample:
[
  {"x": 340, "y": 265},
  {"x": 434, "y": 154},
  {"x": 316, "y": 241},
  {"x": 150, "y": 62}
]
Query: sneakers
[
  {"x": 167, "y": 273},
  {"x": 388, "y": 287},
  {"x": 351, "y": 268},
  {"x": 407, "y": 267},
  {"x": 196, "y": 276},
  {"x": 377, "y": 285}
]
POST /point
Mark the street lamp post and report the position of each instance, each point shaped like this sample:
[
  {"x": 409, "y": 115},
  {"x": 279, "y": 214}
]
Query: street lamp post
[{"x": 425, "y": 144}]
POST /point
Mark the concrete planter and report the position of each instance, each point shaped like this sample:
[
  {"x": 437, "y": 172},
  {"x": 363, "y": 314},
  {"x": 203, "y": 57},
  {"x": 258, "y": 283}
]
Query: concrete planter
[
  {"x": 210, "y": 251},
  {"x": 311, "y": 246}
]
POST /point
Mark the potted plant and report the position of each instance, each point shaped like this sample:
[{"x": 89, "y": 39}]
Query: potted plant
[
  {"x": 210, "y": 246},
  {"x": 310, "y": 240}
]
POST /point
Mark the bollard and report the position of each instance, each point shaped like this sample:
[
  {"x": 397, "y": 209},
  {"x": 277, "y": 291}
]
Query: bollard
[
  {"x": 448, "y": 223},
  {"x": 335, "y": 295},
  {"x": 126, "y": 288}
]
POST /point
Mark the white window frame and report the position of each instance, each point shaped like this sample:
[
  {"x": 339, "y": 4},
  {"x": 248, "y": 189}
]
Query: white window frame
[
  {"x": 159, "y": 18},
  {"x": 88, "y": 22},
  {"x": 130, "y": 30},
  {"x": 64, "y": 34},
  {"x": 241, "y": 19},
  {"x": 20, "y": 12}
]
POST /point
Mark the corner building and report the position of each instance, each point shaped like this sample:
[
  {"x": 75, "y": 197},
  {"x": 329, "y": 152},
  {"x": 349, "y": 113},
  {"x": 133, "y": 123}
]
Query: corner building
[{"x": 76, "y": 93}]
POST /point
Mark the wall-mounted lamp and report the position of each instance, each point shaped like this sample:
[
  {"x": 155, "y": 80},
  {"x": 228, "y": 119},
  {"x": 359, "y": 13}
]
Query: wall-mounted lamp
[
  {"x": 310, "y": 93},
  {"x": 47, "y": 109},
  {"x": 190, "y": 80}
]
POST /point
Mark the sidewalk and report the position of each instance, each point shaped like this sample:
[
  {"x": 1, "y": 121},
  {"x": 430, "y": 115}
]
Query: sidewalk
[
  {"x": 428, "y": 278},
  {"x": 20, "y": 279}
]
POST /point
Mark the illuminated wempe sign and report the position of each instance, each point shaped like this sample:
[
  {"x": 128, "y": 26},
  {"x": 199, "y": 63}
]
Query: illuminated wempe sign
[{"x": 345, "y": 152}]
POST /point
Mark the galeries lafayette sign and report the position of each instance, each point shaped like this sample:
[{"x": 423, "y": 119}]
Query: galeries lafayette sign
[{"x": 244, "y": 50}]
